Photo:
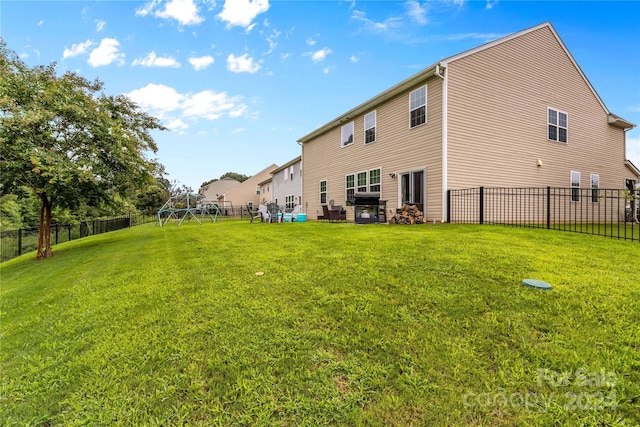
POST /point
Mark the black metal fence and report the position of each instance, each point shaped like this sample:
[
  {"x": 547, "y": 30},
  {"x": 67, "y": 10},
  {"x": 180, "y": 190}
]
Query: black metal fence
[
  {"x": 606, "y": 212},
  {"x": 16, "y": 242}
]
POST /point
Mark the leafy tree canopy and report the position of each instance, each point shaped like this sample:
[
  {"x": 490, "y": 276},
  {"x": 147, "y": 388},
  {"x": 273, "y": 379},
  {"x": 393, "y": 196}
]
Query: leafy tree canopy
[{"x": 67, "y": 142}]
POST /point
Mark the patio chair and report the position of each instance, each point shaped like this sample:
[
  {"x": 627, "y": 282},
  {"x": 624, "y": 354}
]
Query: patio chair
[
  {"x": 264, "y": 213},
  {"x": 254, "y": 213},
  {"x": 325, "y": 213},
  {"x": 337, "y": 214},
  {"x": 294, "y": 213},
  {"x": 274, "y": 210}
]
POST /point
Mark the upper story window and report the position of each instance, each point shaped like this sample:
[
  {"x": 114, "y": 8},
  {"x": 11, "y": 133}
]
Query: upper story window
[
  {"x": 362, "y": 182},
  {"x": 575, "y": 186},
  {"x": 286, "y": 174},
  {"x": 291, "y": 172},
  {"x": 557, "y": 125},
  {"x": 370, "y": 127},
  {"x": 346, "y": 135},
  {"x": 418, "y": 106}
]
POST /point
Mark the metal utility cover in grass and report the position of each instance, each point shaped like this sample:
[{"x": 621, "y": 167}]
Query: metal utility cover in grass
[{"x": 539, "y": 284}]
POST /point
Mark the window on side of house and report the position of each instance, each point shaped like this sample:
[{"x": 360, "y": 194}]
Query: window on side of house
[
  {"x": 323, "y": 192},
  {"x": 289, "y": 201},
  {"x": 418, "y": 106},
  {"x": 575, "y": 186},
  {"x": 557, "y": 124},
  {"x": 291, "y": 172},
  {"x": 595, "y": 187},
  {"x": 350, "y": 186},
  {"x": 286, "y": 174},
  {"x": 374, "y": 180},
  {"x": 370, "y": 127},
  {"x": 346, "y": 135},
  {"x": 362, "y": 182}
]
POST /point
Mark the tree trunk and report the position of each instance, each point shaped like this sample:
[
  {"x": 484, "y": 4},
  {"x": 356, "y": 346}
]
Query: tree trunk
[
  {"x": 44, "y": 230},
  {"x": 47, "y": 233},
  {"x": 40, "y": 254}
]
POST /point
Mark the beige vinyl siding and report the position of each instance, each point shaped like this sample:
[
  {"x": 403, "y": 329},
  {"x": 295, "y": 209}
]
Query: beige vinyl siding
[
  {"x": 497, "y": 119},
  {"x": 397, "y": 148}
]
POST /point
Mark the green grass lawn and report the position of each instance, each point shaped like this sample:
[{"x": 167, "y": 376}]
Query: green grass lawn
[{"x": 349, "y": 325}]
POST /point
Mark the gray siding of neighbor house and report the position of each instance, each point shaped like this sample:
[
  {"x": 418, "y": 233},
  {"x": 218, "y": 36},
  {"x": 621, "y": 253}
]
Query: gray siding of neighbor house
[
  {"x": 397, "y": 148},
  {"x": 286, "y": 187},
  {"x": 497, "y": 119}
]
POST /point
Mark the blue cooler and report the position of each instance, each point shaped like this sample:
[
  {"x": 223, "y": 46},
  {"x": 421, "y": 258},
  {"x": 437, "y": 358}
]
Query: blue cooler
[
  {"x": 287, "y": 217},
  {"x": 302, "y": 217}
]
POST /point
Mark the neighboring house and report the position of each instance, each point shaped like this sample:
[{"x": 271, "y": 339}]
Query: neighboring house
[
  {"x": 214, "y": 189},
  {"x": 247, "y": 192},
  {"x": 287, "y": 183},
  {"x": 515, "y": 112},
  {"x": 266, "y": 193}
]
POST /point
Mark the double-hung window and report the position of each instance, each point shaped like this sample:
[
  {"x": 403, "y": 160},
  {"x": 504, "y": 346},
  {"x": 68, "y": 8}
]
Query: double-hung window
[
  {"x": 323, "y": 192},
  {"x": 288, "y": 202},
  {"x": 374, "y": 180},
  {"x": 418, "y": 106},
  {"x": 370, "y": 127},
  {"x": 350, "y": 187},
  {"x": 346, "y": 135},
  {"x": 575, "y": 186},
  {"x": 595, "y": 186},
  {"x": 362, "y": 182},
  {"x": 557, "y": 125}
]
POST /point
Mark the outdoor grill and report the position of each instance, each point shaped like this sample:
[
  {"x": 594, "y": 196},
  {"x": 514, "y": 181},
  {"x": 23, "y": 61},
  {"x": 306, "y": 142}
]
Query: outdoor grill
[{"x": 368, "y": 208}]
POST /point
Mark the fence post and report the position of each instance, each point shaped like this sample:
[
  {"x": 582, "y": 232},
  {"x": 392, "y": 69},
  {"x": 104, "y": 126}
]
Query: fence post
[
  {"x": 56, "y": 234},
  {"x": 481, "y": 205},
  {"x": 19, "y": 241},
  {"x": 548, "y": 208},
  {"x": 448, "y": 206}
]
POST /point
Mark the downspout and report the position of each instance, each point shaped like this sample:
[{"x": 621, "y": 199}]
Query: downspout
[
  {"x": 304, "y": 205},
  {"x": 443, "y": 76}
]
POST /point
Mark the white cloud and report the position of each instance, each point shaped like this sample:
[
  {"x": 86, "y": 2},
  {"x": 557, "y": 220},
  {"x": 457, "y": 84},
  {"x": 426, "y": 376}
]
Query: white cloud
[
  {"x": 273, "y": 41},
  {"x": 327, "y": 70},
  {"x": 491, "y": 3},
  {"x": 633, "y": 150},
  {"x": 319, "y": 55},
  {"x": 242, "y": 64},
  {"x": 183, "y": 11},
  {"x": 157, "y": 99},
  {"x": 106, "y": 53},
  {"x": 100, "y": 24},
  {"x": 178, "y": 109},
  {"x": 202, "y": 62},
  {"x": 386, "y": 25},
  {"x": 237, "y": 131},
  {"x": 207, "y": 104},
  {"x": 354, "y": 59},
  {"x": 152, "y": 60},
  {"x": 311, "y": 42},
  {"x": 77, "y": 49},
  {"x": 417, "y": 12},
  {"x": 40, "y": 23},
  {"x": 242, "y": 12}
]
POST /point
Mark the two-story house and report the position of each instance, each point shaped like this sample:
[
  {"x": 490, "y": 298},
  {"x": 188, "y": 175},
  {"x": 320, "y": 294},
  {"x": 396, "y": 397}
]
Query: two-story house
[{"x": 517, "y": 111}]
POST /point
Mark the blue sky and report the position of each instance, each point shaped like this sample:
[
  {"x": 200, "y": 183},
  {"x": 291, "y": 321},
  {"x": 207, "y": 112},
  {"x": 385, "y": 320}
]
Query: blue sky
[{"x": 238, "y": 82}]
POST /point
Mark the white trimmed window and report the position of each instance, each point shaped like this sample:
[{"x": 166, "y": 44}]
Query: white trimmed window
[
  {"x": 291, "y": 172},
  {"x": 374, "y": 180},
  {"x": 286, "y": 174},
  {"x": 595, "y": 186},
  {"x": 346, "y": 135},
  {"x": 362, "y": 182},
  {"x": 557, "y": 124},
  {"x": 323, "y": 192},
  {"x": 575, "y": 186},
  {"x": 350, "y": 187},
  {"x": 289, "y": 202},
  {"x": 418, "y": 107},
  {"x": 370, "y": 127}
]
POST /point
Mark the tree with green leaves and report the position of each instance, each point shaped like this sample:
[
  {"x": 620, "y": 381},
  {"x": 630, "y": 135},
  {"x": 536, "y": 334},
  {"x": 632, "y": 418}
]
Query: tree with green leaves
[{"x": 68, "y": 142}]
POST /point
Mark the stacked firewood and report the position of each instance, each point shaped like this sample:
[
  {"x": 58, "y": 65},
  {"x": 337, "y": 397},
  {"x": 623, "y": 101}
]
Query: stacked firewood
[{"x": 407, "y": 214}]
